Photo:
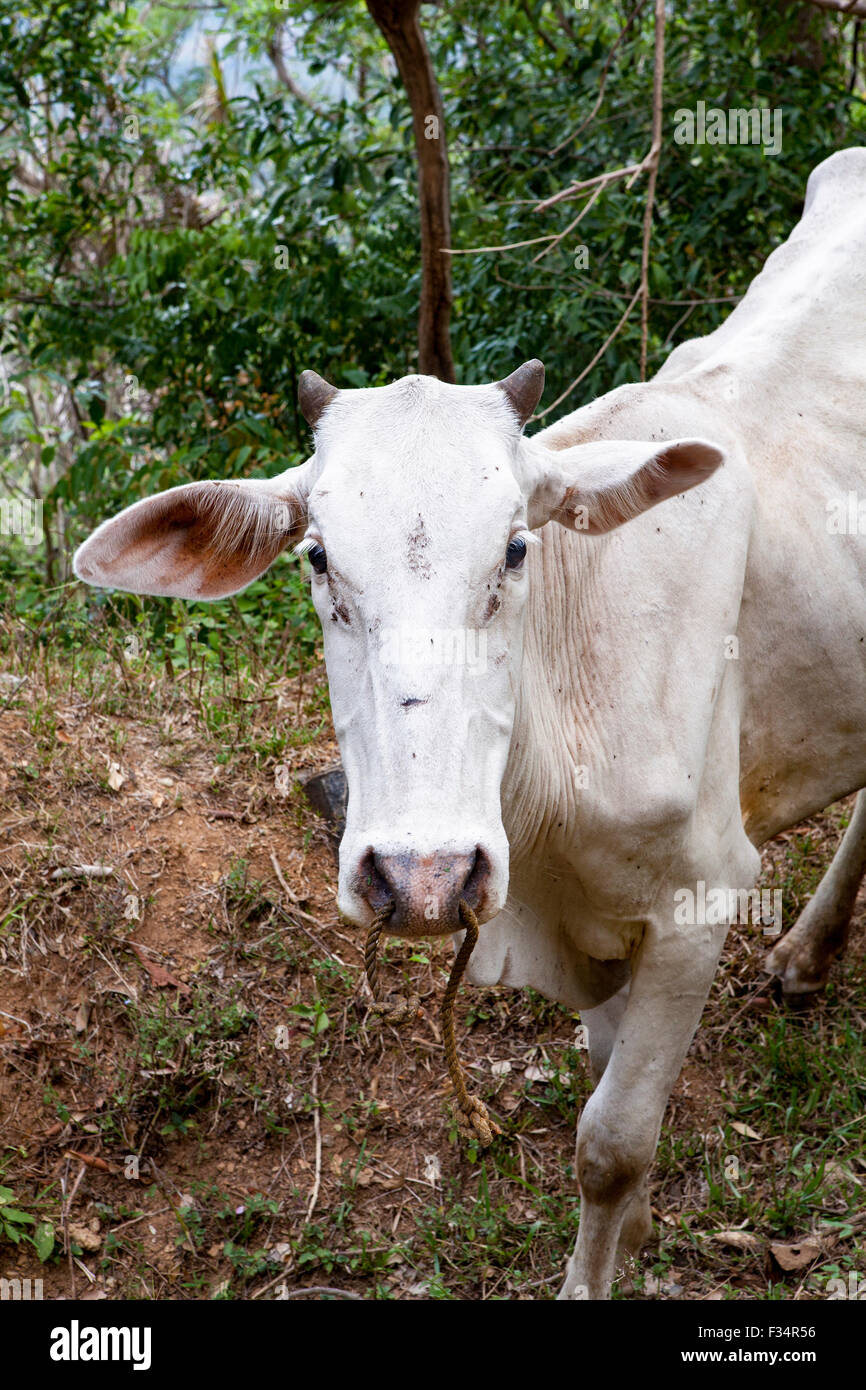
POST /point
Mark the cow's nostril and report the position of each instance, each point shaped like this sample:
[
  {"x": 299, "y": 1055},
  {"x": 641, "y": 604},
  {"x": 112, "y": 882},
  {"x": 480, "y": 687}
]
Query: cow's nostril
[
  {"x": 377, "y": 886},
  {"x": 476, "y": 879}
]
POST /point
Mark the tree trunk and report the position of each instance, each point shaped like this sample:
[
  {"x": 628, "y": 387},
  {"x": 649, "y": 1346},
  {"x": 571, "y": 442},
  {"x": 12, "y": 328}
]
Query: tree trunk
[{"x": 398, "y": 22}]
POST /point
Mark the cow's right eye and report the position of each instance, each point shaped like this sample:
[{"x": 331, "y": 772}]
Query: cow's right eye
[
  {"x": 516, "y": 553},
  {"x": 317, "y": 558}
]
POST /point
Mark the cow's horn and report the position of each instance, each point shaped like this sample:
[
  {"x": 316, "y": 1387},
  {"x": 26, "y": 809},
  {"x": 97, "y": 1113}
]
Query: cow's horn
[
  {"x": 314, "y": 394},
  {"x": 524, "y": 387}
]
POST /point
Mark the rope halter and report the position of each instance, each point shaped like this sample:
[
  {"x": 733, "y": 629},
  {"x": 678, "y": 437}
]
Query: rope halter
[{"x": 474, "y": 1121}]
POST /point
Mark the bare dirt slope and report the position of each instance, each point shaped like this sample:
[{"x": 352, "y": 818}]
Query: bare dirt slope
[{"x": 195, "y": 1097}]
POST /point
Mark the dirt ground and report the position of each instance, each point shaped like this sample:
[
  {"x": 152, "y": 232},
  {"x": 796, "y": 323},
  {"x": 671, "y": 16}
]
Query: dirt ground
[{"x": 196, "y": 1102}]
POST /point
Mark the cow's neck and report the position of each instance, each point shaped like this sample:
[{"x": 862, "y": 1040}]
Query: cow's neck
[{"x": 597, "y": 632}]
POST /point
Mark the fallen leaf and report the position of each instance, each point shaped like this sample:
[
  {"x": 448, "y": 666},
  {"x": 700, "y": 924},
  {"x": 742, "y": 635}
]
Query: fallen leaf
[
  {"x": 116, "y": 778},
  {"x": 158, "y": 973},
  {"x": 796, "y": 1256},
  {"x": 835, "y": 1172},
  {"x": 746, "y": 1130},
  {"x": 664, "y": 1217},
  {"x": 545, "y": 1073},
  {"x": 94, "y": 1161},
  {"x": 281, "y": 1253},
  {"x": 739, "y": 1240}
]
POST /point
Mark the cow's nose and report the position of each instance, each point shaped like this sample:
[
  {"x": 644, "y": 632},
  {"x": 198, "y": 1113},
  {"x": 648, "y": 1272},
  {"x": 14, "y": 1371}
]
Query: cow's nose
[{"x": 425, "y": 889}]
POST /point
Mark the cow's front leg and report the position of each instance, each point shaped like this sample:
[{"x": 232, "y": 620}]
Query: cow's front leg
[{"x": 619, "y": 1127}]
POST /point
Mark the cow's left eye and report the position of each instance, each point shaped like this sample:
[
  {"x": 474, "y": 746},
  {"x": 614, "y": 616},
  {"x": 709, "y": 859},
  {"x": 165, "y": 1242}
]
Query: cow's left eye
[
  {"x": 317, "y": 558},
  {"x": 516, "y": 553}
]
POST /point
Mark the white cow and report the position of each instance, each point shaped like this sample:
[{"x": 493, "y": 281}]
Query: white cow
[{"x": 569, "y": 734}]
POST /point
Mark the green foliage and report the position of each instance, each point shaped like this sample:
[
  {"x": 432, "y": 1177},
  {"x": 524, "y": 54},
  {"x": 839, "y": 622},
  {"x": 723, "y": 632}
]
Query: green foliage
[
  {"x": 17, "y": 1225},
  {"x": 12, "y": 1218},
  {"x": 183, "y": 230}
]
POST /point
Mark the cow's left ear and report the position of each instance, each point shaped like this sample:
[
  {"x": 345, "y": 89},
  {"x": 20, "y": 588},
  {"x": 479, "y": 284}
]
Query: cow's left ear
[
  {"x": 200, "y": 540},
  {"x": 596, "y": 487}
]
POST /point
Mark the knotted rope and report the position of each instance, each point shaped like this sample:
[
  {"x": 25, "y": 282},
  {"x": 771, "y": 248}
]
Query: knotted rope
[
  {"x": 400, "y": 1008},
  {"x": 474, "y": 1120}
]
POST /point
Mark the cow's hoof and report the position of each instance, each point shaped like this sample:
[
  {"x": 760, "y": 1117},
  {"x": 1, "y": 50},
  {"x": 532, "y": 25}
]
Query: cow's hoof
[{"x": 795, "y": 964}]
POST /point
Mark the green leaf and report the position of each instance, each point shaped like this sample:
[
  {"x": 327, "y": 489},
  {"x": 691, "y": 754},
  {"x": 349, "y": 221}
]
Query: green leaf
[
  {"x": 43, "y": 1239},
  {"x": 22, "y": 1217}
]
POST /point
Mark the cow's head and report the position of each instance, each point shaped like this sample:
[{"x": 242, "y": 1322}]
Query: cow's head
[{"x": 416, "y": 513}]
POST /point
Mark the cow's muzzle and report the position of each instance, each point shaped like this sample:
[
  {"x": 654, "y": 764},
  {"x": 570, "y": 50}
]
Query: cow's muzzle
[{"x": 425, "y": 889}]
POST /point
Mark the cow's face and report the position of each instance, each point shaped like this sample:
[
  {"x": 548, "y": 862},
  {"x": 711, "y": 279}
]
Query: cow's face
[
  {"x": 416, "y": 514},
  {"x": 417, "y": 534}
]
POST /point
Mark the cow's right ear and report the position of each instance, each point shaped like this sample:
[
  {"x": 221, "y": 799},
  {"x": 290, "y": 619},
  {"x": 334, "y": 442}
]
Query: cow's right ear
[
  {"x": 198, "y": 541},
  {"x": 600, "y": 485}
]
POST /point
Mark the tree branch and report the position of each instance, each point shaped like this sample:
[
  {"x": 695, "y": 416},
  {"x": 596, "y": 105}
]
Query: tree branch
[
  {"x": 652, "y": 162},
  {"x": 398, "y": 23},
  {"x": 275, "y": 53},
  {"x": 589, "y": 366},
  {"x": 627, "y": 171},
  {"x": 602, "y": 79},
  {"x": 649, "y": 164},
  {"x": 848, "y": 8},
  {"x": 536, "y": 27}
]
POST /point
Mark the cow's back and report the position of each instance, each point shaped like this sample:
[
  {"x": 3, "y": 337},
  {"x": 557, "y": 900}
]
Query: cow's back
[
  {"x": 785, "y": 376},
  {"x": 808, "y": 301},
  {"x": 799, "y": 354}
]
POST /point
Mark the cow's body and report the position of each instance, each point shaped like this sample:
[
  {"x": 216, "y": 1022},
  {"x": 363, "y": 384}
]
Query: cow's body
[
  {"x": 691, "y": 682},
  {"x": 630, "y": 686},
  {"x": 649, "y": 751}
]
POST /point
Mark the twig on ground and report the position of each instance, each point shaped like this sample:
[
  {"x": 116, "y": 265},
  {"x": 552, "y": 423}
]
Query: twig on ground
[{"x": 314, "y": 1196}]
